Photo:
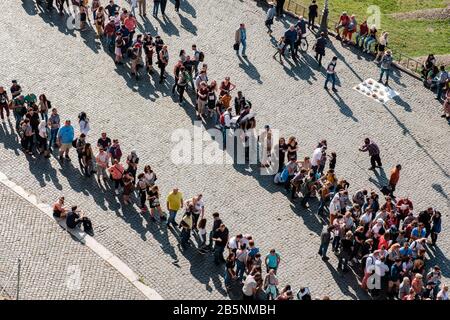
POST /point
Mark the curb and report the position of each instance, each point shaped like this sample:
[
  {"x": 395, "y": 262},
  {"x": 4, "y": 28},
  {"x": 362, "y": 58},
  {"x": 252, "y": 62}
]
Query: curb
[{"x": 85, "y": 239}]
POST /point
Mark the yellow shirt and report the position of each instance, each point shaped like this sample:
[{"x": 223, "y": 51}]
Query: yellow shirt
[{"x": 174, "y": 200}]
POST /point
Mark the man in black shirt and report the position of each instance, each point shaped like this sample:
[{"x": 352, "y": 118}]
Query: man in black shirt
[
  {"x": 312, "y": 14},
  {"x": 220, "y": 238},
  {"x": 104, "y": 142},
  {"x": 16, "y": 90},
  {"x": 111, "y": 8},
  {"x": 216, "y": 225},
  {"x": 74, "y": 219}
]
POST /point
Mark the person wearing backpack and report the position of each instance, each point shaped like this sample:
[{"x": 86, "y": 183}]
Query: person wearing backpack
[
  {"x": 115, "y": 152},
  {"x": 117, "y": 171}
]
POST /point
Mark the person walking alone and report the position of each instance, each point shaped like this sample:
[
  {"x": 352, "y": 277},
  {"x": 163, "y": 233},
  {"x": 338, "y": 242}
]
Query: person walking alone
[
  {"x": 374, "y": 153},
  {"x": 319, "y": 48},
  {"x": 241, "y": 40},
  {"x": 331, "y": 74},
  {"x": 312, "y": 14},
  {"x": 269, "y": 18}
]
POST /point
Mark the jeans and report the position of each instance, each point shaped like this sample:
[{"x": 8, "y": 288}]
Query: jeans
[
  {"x": 44, "y": 116},
  {"x": 53, "y": 135},
  {"x": 359, "y": 37},
  {"x": 439, "y": 89},
  {"x": 384, "y": 71},
  {"x": 368, "y": 42},
  {"x": 172, "y": 215},
  {"x": 155, "y": 8},
  {"x": 336, "y": 242},
  {"x": 240, "y": 269},
  {"x": 375, "y": 159},
  {"x": 177, "y": 5},
  {"x": 323, "y": 249},
  {"x": 18, "y": 119},
  {"x": 244, "y": 46},
  {"x": 330, "y": 77},
  {"x": 218, "y": 254},
  {"x": 321, "y": 205},
  {"x": 227, "y": 279}
]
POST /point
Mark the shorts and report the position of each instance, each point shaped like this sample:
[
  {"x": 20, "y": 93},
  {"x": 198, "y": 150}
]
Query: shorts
[{"x": 65, "y": 147}]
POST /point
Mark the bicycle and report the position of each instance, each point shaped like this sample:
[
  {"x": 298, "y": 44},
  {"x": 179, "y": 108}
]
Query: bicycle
[{"x": 304, "y": 45}]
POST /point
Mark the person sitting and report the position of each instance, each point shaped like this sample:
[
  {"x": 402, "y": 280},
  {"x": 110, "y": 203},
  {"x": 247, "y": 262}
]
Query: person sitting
[
  {"x": 350, "y": 29},
  {"x": 343, "y": 22},
  {"x": 428, "y": 65},
  {"x": 430, "y": 80},
  {"x": 371, "y": 38},
  {"x": 362, "y": 34},
  {"x": 74, "y": 219},
  {"x": 59, "y": 210}
]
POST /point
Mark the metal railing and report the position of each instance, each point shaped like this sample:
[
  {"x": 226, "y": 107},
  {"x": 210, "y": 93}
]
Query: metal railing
[{"x": 400, "y": 58}]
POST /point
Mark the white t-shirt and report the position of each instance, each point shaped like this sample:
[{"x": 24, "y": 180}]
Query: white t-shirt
[
  {"x": 84, "y": 127},
  {"x": 43, "y": 132},
  {"x": 249, "y": 285},
  {"x": 233, "y": 243},
  {"x": 317, "y": 155},
  {"x": 442, "y": 295}
]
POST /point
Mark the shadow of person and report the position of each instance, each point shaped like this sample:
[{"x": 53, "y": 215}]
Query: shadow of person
[
  {"x": 30, "y": 8},
  {"x": 402, "y": 103},
  {"x": 249, "y": 69},
  {"x": 382, "y": 180},
  {"x": 204, "y": 270},
  {"x": 396, "y": 76},
  {"x": 168, "y": 27},
  {"x": 343, "y": 107},
  {"x": 9, "y": 138},
  {"x": 187, "y": 25},
  {"x": 187, "y": 7},
  {"x": 346, "y": 281}
]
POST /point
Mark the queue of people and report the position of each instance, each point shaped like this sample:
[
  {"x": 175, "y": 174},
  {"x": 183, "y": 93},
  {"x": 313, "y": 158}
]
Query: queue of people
[{"x": 389, "y": 236}]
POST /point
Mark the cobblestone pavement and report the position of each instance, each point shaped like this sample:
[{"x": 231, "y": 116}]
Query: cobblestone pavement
[
  {"x": 77, "y": 74},
  {"x": 50, "y": 260}
]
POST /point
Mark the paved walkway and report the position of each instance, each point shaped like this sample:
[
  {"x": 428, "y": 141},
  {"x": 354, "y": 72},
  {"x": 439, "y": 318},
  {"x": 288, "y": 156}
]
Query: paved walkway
[
  {"x": 78, "y": 75},
  {"x": 53, "y": 265}
]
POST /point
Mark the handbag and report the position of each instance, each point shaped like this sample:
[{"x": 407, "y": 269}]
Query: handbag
[{"x": 236, "y": 46}]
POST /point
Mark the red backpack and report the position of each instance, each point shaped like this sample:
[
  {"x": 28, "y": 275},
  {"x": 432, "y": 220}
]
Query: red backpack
[{"x": 222, "y": 119}]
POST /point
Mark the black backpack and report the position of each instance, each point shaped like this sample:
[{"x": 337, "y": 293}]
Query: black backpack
[{"x": 201, "y": 56}]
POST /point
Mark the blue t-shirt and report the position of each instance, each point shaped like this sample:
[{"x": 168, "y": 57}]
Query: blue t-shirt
[
  {"x": 272, "y": 260},
  {"x": 415, "y": 233},
  {"x": 66, "y": 134},
  {"x": 405, "y": 252}
]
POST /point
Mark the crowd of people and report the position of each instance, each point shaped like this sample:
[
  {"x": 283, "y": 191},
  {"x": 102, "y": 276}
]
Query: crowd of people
[{"x": 386, "y": 237}]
